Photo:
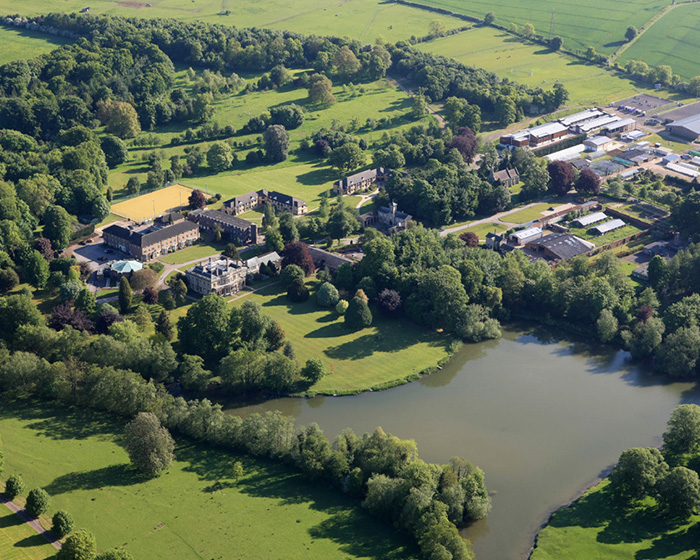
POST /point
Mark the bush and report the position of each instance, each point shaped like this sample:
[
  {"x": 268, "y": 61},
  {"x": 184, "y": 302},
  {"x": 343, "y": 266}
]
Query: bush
[
  {"x": 14, "y": 487},
  {"x": 62, "y": 524},
  {"x": 314, "y": 370},
  {"x": 358, "y": 316},
  {"x": 342, "y": 307},
  {"x": 37, "y": 502},
  {"x": 327, "y": 295}
]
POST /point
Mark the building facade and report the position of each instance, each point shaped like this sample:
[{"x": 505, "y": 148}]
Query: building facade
[
  {"x": 241, "y": 232},
  {"x": 152, "y": 241},
  {"x": 223, "y": 277},
  {"x": 255, "y": 200},
  {"x": 361, "y": 181}
]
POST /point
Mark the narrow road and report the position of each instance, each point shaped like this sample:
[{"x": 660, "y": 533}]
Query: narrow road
[
  {"x": 366, "y": 197},
  {"x": 29, "y": 520},
  {"x": 496, "y": 218}
]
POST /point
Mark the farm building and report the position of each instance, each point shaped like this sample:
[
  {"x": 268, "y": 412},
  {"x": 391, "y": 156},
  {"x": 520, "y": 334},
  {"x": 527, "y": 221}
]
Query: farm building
[
  {"x": 688, "y": 128},
  {"x": 560, "y": 246},
  {"x": 581, "y": 117},
  {"x": 525, "y": 235},
  {"x": 535, "y": 136},
  {"x": 670, "y": 158},
  {"x": 589, "y": 219},
  {"x": 597, "y": 143},
  {"x": 595, "y": 124},
  {"x": 618, "y": 127},
  {"x": 607, "y": 227},
  {"x": 566, "y": 154},
  {"x": 506, "y": 177}
]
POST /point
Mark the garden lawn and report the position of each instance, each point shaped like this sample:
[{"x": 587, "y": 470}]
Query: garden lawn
[
  {"x": 528, "y": 214},
  {"x": 599, "y": 24},
  {"x": 18, "y": 541},
  {"x": 482, "y": 229},
  {"x": 593, "y": 528},
  {"x": 198, "y": 251},
  {"x": 16, "y": 44},
  {"x": 673, "y": 40},
  {"x": 383, "y": 354},
  {"x": 532, "y": 65},
  {"x": 194, "y": 510}
]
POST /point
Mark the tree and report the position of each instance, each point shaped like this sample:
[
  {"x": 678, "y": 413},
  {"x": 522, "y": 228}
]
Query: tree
[
  {"x": 192, "y": 373},
  {"x": 43, "y": 245},
  {"x": 288, "y": 228},
  {"x": 35, "y": 269},
  {"x": 347, "y": 157},
  {"x": 79, "y": 545},
  {"x": 465, "y": 142},
  {"x": 219, "y": 157},
  {"x": 197, "y": 199},
  {"x": 694, "y": 86},
  {"x": 606, "y": 326},
  {"x": 125, "y": 295},
  {"x": 314, "y": 370},
  {"x": 556, "y": 43},
  {"x": 237, "y": 471},
  {"x": 274, "y": 241},
  {"x": 14, "y": 486},
  {"x": 115, "y": 150},
  {"x": 342, "y": 307},
  {"x": 8, "y": 280},
  {"x": 327, "y": 295},
  {"x": 150, "y": 295},
  {"x": 231, "y": 251},
  {"x": 57, "y": 227},
  {"x": 62, "y": 524},
  {"x": 679, "y": 492},
  {"x": 205, "y": 330},
  {"x": 391, "y": 158},
  {"x": 470, "y": 238},
  {"x": 119, "y": 118},
  {"x": 506, "y": 112},
  {"x": 299, "y": 254},
  {"x": 436, "y": 28},
  {"x": 342, "y": 221},
  {"x": 683, "y": 433},
  {"x": 389, "y": 302},
  {"x": 637, "y": 473},
  {"x": 149, "y": 445},
  {"x": 346, "y": 63},
  {"x": 358, "y": 316},
  {"x": 631, "y": 32},
  {"x": 37, "y": 502},
  {"x": 133, "y": 185},
  {"x": 321, "y": 90},
  {"x": 528, "y": 30},
  {"x": 561, "y": 175},
  {"x": 163, "y": 325},
  {"x": 298, "y": 291},
  {"x": 679, "y": 353},
  {"x": 588, "y": 182},
  {"x": 489, "y": 18},
  {"x": 276, "y": 143},
  {"x": 657, "y": 272},
  {"x": 419, "y": 107}
]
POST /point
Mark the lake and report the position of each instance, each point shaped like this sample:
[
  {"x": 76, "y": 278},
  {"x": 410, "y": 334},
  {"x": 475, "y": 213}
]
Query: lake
[{"x": 543, "y": 417}]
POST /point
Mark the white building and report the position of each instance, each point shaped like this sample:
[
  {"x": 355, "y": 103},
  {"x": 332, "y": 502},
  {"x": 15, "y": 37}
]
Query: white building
[{"x": 525, "y": 235}]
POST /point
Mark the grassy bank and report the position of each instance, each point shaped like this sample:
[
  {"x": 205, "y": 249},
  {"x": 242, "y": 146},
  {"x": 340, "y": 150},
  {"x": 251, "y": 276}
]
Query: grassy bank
[
  {"x": 194, "y": 510},
  {"x": 382, "y": 355}
]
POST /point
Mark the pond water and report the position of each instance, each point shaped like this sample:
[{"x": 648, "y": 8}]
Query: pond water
[{"x": 543, "y": 417}]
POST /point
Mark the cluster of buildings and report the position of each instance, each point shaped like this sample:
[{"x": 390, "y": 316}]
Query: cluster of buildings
[
  {"x": 361, "y": 181},
  {"x": 226, "y": 277},
  {"x": 257, "y": 199}
]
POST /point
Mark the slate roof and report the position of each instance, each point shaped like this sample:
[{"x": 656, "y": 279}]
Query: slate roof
[
  {"x": 220, "y": 216},
  {"x": 562, "y": 245}
]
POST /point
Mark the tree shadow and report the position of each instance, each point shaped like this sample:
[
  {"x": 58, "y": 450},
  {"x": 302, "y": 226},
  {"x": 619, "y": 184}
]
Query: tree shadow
[
  {"x": 28, "y": 542},
  {"x": 317, "y": 176},
  {"x": 9, "y": 520},
  {"x": 113, "y": 475},
  {"x": 594, "y": 509},
  {"x": 636, "y": 525},
  {"x": 669, "y": 545},
  {"x": 614, "y": 44}
]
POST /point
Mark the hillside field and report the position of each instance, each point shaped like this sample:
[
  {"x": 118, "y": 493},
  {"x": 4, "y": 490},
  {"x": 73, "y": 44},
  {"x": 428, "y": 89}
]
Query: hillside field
[
  {"x": 598, "y": 24},
  {"x": 673, "y": 40},
  {"x": 18, "y": 541},
  {"x": 364, "y": 20},
  {"x": 17, "y": 45},
  {"x": 533, "y": 65},
  {"x": 194, "y": 510}
]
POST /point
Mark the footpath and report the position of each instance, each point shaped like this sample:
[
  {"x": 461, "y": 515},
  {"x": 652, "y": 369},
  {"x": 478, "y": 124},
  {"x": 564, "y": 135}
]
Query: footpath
[{"x": 33, "y": 523}]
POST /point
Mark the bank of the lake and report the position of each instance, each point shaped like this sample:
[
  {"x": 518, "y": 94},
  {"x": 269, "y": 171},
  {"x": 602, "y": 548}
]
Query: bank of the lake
[{"x": 543, "y": 418}]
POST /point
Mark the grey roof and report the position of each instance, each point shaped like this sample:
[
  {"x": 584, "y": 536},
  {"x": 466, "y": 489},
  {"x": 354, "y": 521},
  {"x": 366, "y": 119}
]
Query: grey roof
[
  {"x": 691, "y": 123},
  {"x": 125, "y": 267},
  {"x": 399, "y": 214},
  {"x": 151, "y": 235},
  {"x": 506, "y": 174},
  {"x": 221, "y": 217},
  {"x": 609, "y": 226},
  {"x": 285, "y": 198},
  {"x": 591, "y": 219},
  {"x": 367, "y": 174},
  {"x": 267, "y": 258},
  {"x": 563, "y": 245},
  {"x": 325, "y": 258},
  {"x": 242, "y": 199}
]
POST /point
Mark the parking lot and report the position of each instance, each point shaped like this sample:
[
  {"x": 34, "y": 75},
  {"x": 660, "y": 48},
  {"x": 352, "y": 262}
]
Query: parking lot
[
  {"x": 644, "y": 102},
  {"x": 98, "y": 256},
  {"x": 681, "y": 112}
]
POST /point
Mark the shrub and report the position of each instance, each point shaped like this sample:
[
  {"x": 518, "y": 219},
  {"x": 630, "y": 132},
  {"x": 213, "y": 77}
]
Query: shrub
[
  {"x": 14, "y": 487},
  {"x": 298, "y": 291},
  {"x": 314, "y": 370},
  {"x": 341, "y": 307},
  {"x": 62, "y": 524},
  {"x": 327, "y": 295},
  {"x": 37, "y": 502},
  {"x": 358, "y": 316}
]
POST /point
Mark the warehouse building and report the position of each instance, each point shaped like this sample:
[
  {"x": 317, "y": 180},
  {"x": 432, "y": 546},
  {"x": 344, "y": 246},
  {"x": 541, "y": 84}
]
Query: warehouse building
[
  {"x": 535, "y": 136},
  {"x": 583, "y": 116},
  {"x": 595, "y": 124},
  {"x": 688, "y": 128},
  {"x": 597, "y": 143},
  {"x": 618, "y": 127},
  {"x": 559, "y": 246}
]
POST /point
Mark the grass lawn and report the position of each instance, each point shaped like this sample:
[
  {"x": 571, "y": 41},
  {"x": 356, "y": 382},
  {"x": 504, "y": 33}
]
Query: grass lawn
[
  {"x": 153, "y": 204},
  {"x": 482, "y": 229},
  {"x": 673, "y": 40},
  {"x": 609, "y": 237},
  {"x": 18, "y": 541},
  {"x": 598, "y": 24},
  {"x": 16, "y": 44},
  {"x": 198, "y": 251},
  {"x": 676, "y": 146},
  {"x": 110, "y": 219},
  {"x": 528, "y": 214},
  {"x": 533, "y": 65},
  {"x": 194, "y": 510},
  {"x": 388, "y": 351},
  {"x": 595, "y": 528},
  {"x": 108, "y": 292}
]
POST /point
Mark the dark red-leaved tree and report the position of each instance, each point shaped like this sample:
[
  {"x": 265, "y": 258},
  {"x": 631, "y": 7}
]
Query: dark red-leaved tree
[
  {"x": 588, "y": 182},
  {"x": 389, "y": 302},
  {"x": 197, "y": 199},
  {"x": 470, "y": 238},
  {"x": 106, "y": 319},
  {"x": 298, "y": 253},
  {"x": 465, "y": 142},
  {"x": 150, "y": 295},
  {"x": 43, "y": 245},
  {"x": 63, "y": 315},
  {"x": 645, "y": 313},
  {"x": 561, "y": 176}
]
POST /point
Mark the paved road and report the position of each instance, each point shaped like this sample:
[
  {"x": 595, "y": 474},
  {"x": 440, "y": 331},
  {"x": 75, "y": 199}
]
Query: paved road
[
  {"x": 33, "y": 523},
  {"x": 496, "y": 218}
]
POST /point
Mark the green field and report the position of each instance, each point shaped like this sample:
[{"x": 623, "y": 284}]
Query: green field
[
  {"x": 581, "y": 24},
  {"x": 386, "y": 352},
  {"x": 194, "y": 511},
  {"x": 360, "y": 19},
  {"x": 18, "y": 44},
  {"x": 594, "y": 528},
  {"x": 609, "y": 237},
  {"x": 482, "y": 229},
  {"x": 528, "y": 214},
  {"x": 673, "y": 40},
  {"x": 199, "y": 251},
  {"x": 532, "y": 65},
  {"x": 18, "y": 541}
]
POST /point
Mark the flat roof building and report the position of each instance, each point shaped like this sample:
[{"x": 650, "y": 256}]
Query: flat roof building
[
  {"x": 577, "y": 118},
  {"x": 595, "y": 124},
  {"x": 607, "y": 227},
  {"x": 596, "y": 143},
  {"x": 620, "y": 126}
]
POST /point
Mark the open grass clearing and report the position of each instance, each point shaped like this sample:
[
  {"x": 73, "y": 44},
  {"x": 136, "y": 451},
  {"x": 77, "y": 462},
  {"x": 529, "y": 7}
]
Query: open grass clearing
[
  {"x": 595, "y": 527},
  {"x": 598, "y": 240},
  {"x": 153, "y": 204},
  {"x": 198, "y": 251},
  {"x": 19, "y": 44},
  {"x": 529, "y": 214},
  {"x": 482, "y": 229},
  {"x": 533, "y": 65},
  {"x": 386, "y": 352},
  {"x": 192, "y": 511},
  {"x": 18, "y": 541},
  {"x": 598, "y": 24}
]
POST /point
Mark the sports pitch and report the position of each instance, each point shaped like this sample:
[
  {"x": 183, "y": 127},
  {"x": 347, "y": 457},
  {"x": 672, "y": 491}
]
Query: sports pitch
[{"x": 153, "y": 204}]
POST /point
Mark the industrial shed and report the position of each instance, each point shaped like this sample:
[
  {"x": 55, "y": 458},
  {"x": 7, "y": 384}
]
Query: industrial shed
[
  {"x": 688, "y": 128},
  {"x": 607, "y": 227},
  {"x": 525, "y": 235}
]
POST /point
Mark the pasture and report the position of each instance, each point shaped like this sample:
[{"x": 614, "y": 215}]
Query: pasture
[
  {"x": 384, "y": 353},
  {"x": 673, "y": 40},
  {"x": 364, "y": 20},
  {"x": 194, "y": 510},
  {"x": 18, "y": 541},
  {"x": 153, "y": 204},
  {"x": 597, "y": 24},
  {"x": 533, "y": 65},
  {"x": 18, "y": 44}
]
